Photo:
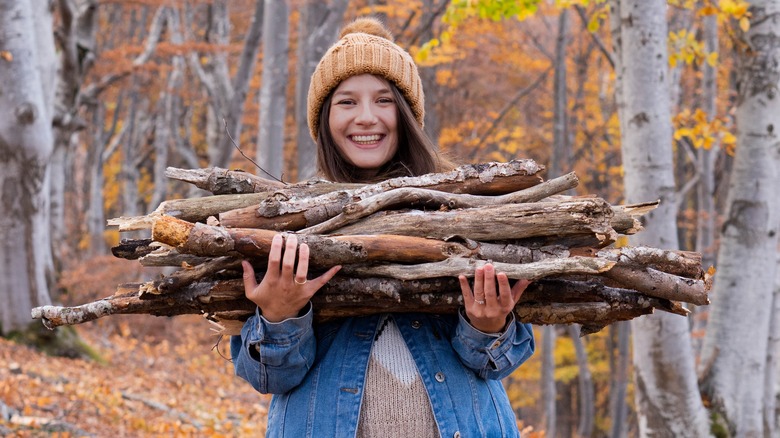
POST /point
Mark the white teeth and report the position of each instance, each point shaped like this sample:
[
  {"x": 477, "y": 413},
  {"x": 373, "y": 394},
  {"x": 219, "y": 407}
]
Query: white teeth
[{"x": 366, "y": 138}]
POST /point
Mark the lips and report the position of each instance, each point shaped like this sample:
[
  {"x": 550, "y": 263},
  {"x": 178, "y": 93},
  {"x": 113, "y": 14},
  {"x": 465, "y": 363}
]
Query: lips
[{"x": 366, "y": 139}]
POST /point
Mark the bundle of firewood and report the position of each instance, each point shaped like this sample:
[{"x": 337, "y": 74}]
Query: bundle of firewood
[{"x": 401, "y": 243}]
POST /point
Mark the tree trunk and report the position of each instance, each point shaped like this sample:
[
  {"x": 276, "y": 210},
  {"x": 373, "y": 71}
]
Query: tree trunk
[
  {"x": 549, "y": 392},
  {"x": 747, "y": 255},
  {"x": 273, "y": 91},
  {"x": 663, "y": 358},
  {"x": 618, "y": 385},
  {"x": 76, "y": 38},
  {"x": 165, "y": 117},
  {"x": 586, "y": 390},
  {"x": 317, "y": 30},
  {"x": 27, "y": 72},
  {"x": 772, "y": 391},
  {"x": 705, "y": 158}
]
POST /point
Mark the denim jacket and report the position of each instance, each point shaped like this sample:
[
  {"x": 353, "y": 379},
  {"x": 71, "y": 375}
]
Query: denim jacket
[{"x": 317, "y": 371}]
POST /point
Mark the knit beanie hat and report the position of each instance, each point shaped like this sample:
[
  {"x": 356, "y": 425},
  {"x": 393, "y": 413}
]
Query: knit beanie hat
[{"x": 365, "y": 46}]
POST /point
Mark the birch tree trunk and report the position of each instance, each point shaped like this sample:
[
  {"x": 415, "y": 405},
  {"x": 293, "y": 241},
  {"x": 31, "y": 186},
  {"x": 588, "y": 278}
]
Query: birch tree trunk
[
  {"x": 273, "y": 90},
  {"x": 76, "y": 40},
  {"x": 619, "y": 381},
  {"x": 548, "y": 380},
  {"x": 705, "y": 161},
  {"x": 27, "y": 76},
  {"x": 667, "y": 399},
  {"x": 560, "y": 160},
  {"x": 226, "y": 98},
  {"x": 165, "y": 118},
  {"x": 318, "y": 28},
  {"x": 771, "y": 414},
  {"x": 620, "y": 366},
  {"x": 585, "y": 388},
  {"x": 738, "y": 328}
]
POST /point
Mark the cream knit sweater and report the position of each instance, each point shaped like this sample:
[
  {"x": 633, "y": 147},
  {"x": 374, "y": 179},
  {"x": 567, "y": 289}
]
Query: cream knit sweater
[{"x": 395, "y": 402}]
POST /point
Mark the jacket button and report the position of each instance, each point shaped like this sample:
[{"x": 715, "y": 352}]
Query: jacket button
[
  {"x": 439, "y": 377},
  {"x": 456, "y": 434},
  {"x": 495, "y": 345},
  {"x": 416, "y": 324}
]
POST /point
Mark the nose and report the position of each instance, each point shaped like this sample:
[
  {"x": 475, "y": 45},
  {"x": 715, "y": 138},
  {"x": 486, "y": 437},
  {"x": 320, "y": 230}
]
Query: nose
[{"x": 366, "y": 116}]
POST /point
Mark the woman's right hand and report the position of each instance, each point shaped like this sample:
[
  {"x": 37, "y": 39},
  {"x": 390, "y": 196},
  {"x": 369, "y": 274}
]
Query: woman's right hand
[{"x": 283, "y": 293}]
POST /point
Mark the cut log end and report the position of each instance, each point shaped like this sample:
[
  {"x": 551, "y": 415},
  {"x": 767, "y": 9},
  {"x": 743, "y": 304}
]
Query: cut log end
[{"x": 171, "y": 231}]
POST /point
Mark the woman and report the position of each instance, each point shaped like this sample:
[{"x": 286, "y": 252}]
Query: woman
[{"x": 408, "y": 375}]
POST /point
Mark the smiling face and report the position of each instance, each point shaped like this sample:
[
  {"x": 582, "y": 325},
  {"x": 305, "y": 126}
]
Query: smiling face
[{"x": 363, "y": 121}]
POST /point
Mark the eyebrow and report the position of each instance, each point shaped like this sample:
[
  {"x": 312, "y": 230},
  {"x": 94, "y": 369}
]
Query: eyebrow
[{"x": 350, "y": 92}]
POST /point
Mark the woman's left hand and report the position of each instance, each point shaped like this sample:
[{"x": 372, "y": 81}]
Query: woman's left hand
[{"x": 491, "y": 300}]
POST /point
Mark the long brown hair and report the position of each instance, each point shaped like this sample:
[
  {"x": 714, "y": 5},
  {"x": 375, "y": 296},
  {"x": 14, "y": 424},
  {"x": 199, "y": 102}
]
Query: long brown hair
[{"x": 416, "y": 154}]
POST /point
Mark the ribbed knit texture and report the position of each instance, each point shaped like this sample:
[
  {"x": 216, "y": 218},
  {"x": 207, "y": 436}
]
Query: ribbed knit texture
[
  {"x": 360, "y": 52},
  {"x": 395, "y": 402}
]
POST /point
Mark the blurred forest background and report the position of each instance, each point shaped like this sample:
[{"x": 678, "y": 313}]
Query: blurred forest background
[{"x": 644, "y": 99}]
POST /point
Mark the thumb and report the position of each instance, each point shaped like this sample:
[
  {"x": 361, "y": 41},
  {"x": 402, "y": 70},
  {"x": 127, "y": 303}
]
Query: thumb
[
  {"x": 519, "y": 288},
  {"x": 324, "y": 278},
  {"x": 249, "y": 277}
]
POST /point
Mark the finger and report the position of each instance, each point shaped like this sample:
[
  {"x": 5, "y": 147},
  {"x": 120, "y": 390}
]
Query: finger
[
  {"x": 250, "y": 283},
  {"x": 275, "y": 255},
  {"x": 489, "y": 284},
  {"x": 465, "y": 289},
  {"x": 519, "y": 288},
  {"x": 303, "y": 264},
  {"x": 479, "y": 284},
  {"x": 288, "y": 259},
  {"x": 324, "y": 278},
  {"x": 504, "y": 290}
]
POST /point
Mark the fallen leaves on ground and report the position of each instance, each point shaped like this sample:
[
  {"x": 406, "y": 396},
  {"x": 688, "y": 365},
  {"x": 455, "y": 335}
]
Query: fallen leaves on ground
[{"x": 159, "y": 376}]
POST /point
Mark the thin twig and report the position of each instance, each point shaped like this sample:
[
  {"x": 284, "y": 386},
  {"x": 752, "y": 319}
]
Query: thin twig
[{"x": 245, "y": 156}]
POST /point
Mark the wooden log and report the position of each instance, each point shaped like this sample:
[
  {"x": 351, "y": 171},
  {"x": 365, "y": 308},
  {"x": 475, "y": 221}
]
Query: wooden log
[
  {"x": 326, "y": 251},
  {"x": 189, "y": 275},
  {"x": 200, "y": 209},
  {"x": 544, "y": 302},
  {"x": 682, "y": 263},
  {"x": 659, "y": 284},
  {"x": 480, "y": 179},
  {"x": 222, "y": 181},
  {"x": 590, "y": 216},
  {"x": 452, "y": 267},
  {"x": 418, "y": 197},
  {"x": 132, "y": 249}
]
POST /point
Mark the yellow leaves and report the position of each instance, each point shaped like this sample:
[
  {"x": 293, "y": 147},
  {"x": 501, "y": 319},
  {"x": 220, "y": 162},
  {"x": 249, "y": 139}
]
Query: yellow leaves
[
  {"x": 599, "y": 16},
  {"x": 744, "y": 24},
  {"x": 6, "y": 55},
  {"x": 701, "y": 132},
  {"x": 737, "y": 9},
  {"x": 685, "y": 4},
  {"x": 443, "y": 77},
  {"x": 685, "y": 48},
  {"x": 435, "y": 52}
]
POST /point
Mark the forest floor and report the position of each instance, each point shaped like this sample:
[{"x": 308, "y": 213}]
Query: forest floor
[{"x": 155, "y": 376}]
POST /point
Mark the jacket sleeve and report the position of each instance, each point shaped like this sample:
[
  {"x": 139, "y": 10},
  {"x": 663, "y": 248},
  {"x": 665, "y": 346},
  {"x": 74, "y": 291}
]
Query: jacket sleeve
[
  {"x": 493, "y": 356},
  {"x": 274, "y": 357}
]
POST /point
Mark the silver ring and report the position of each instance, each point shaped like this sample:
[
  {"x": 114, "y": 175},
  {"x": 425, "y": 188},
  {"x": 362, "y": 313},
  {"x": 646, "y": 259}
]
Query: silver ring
[
  {"x": 298, "y": 282},
  {"x": 480, "y": 301}
]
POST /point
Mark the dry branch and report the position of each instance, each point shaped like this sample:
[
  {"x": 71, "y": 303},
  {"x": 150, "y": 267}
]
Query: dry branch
[
  {"x": 412, "y": 196},
  {"x": 549, "y": 301},
  {"x": 588, "y": 216},
  {"x": 295, "y": 214},
  {"x": 222, "y": 181},
  {"x": 402, "y": 260},
  {"x": 452, "y": 267}
]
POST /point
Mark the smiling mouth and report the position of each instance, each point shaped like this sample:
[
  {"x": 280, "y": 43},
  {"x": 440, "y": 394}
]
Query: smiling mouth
[{"x": 366, "y": 139}]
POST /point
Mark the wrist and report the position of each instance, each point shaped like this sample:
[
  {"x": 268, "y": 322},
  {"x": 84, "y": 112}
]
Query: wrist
[{"x": 273, "y": 316}]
